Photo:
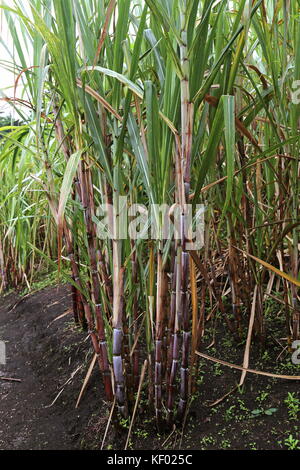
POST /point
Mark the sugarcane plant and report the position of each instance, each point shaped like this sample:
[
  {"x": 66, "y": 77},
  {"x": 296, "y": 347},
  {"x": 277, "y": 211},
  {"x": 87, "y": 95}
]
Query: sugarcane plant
[{"x": 134, "y": 116}]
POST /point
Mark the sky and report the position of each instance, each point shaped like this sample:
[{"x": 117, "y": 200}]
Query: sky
[{"x": 7, "y": 78}]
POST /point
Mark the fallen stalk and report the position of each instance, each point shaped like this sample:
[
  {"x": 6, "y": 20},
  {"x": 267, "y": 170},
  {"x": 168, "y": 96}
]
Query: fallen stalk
[
  {"x": 244, "y": 369},
  {"x": 10, "y": 379}
]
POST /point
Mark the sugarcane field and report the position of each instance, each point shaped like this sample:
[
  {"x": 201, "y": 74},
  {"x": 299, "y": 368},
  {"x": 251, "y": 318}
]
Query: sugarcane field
[{"x": 149, "y": 228}]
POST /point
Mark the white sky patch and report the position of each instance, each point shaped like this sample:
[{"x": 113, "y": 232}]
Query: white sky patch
[{"x": 7, "y": 77}]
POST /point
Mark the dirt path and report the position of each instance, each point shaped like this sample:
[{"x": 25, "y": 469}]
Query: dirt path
[{"x": 43, "y": 354}]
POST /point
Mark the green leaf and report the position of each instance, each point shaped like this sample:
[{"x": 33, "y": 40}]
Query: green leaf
[
  {"x": 270, "y": 411},
  {"x": 65, "y": 191}
]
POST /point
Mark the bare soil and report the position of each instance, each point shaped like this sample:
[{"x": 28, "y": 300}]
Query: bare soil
[{"x": 44, "y": 353}]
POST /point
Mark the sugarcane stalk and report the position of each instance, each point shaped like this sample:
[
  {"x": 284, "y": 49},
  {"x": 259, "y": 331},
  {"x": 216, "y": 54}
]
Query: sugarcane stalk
[
  {"x": 176, "y": 340},
  {"x": 106, "y": 283},
  {"x": 184, "y": 190},
  {"x": 119, "y": 379},
  {"x": 171, "y": 322},
  {"x": 159, "y": 340},
  {"x": 233, "y": 278},
  {"x": 118, "y": 304},
  {"x": 165, "y": 311},
  {"x": 88, "y": 315},
  {"x": 87, "y": 202},
  {"x": 2, "y": 269},
  {"x": 135, "y": 357},
  {"x": 129, "y": 378},
  {"x": 195, "y": 320},
  {"x": 149, "y": 326},
  {"x": 186, "y": 339},
  {"x": 295, "y": 262}
]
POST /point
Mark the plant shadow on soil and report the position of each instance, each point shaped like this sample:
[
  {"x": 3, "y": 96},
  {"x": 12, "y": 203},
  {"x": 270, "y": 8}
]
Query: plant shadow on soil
[{"x": 50, "y": 355}]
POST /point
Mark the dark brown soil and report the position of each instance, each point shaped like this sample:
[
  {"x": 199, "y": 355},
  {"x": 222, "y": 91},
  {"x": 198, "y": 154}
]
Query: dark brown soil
[
  {"x": 45, "y": 349},
  {"x": 254, "y": 417},
  {"x": 44, "y": 354}
]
